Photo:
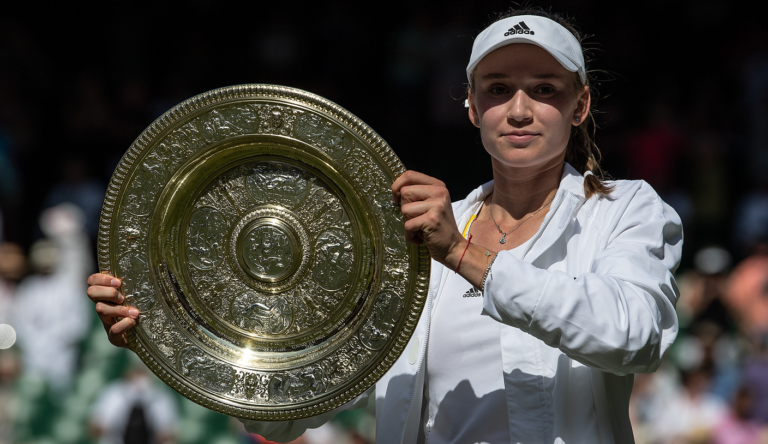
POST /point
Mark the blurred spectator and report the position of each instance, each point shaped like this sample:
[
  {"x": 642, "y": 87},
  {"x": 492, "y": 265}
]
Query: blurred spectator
[
  {"x": 12, "y": 268},
  {"x": 136, "y": 409},
  {"x": 702, "y": 290},
  {"x": 755, "y": 378},
  {"x": 51, "y": 314},
  {"x": 747, "y": 295},
  {"x": 737, "y": 427},
  {"x": 9, "y": 370},
  {"x": 691, "y": 414},
  {"x": 650, "y": 393}
]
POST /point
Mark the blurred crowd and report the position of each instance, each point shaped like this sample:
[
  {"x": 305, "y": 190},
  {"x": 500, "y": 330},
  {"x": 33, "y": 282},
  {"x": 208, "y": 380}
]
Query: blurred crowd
[{"x": 678, "y": 108}]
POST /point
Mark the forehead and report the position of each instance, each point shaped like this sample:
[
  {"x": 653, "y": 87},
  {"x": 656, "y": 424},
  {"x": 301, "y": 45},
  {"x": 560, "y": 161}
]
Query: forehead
[{"x": 520, "y": 59}]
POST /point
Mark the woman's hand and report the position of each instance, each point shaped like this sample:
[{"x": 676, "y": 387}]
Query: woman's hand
[
  {"x": 426, "y": 205},
  {"x": 103, "y": 290}
]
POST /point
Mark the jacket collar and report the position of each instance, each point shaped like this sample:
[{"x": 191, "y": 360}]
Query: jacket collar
[{"x": 570, "y": 196}]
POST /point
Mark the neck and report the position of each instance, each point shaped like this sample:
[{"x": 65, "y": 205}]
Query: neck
[{"x": 521, "y": 191}]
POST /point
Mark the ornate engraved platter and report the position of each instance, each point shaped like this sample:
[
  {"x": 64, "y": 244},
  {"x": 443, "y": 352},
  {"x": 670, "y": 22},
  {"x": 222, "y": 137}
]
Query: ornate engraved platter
[{"x": 253, "y": 227}]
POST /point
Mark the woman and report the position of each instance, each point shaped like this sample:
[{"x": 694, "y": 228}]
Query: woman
[{"x": 572, "y": 276}]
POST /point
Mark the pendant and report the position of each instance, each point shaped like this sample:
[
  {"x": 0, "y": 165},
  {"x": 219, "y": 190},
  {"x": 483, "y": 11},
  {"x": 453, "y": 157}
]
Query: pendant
[{"x": 503, "y": 239}]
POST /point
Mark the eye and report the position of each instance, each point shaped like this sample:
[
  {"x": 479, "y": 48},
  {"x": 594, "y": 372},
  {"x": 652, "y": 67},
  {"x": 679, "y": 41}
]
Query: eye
[
  {"x": 497, "y": 89},
  {"x": 545, "y": 90}
]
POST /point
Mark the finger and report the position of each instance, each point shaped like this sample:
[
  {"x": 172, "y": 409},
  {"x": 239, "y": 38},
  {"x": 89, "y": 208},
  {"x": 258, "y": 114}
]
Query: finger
[
  {"x": 118, "y": 328},
  {"x": 104, "y": 280},
  {"x": 100, "y": 293},
  {"x": 416, "y": 209},
  {"x": 117, "y": 332},
  {"x": 417, "y": 228},
  {"x": 411, "y": 177},
  {"x": 413, "y": 193},
  {"x": 105, "y": 310}
]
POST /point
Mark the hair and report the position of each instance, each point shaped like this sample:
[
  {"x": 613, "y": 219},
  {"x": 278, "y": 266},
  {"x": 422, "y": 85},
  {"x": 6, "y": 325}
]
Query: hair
[{"x": 582, "y": 152}]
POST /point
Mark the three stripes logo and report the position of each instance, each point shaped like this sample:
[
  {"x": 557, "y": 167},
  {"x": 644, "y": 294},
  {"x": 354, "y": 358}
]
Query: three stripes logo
[
  {"x": 473, "y": 293},
  {"x": 520, "y": 28}
]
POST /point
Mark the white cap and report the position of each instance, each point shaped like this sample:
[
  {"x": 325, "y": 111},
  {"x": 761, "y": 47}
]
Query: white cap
[{"x": 533, "y": 29}]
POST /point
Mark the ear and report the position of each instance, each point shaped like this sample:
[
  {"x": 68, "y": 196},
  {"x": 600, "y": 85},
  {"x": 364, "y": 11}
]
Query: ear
[
  {"x": 474, "y": 117},
  {"x": 583, "y": 105}
]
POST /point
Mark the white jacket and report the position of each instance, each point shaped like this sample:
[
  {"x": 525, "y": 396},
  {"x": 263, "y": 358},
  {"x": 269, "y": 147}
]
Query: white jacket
[{"x": 590, "y": 302}]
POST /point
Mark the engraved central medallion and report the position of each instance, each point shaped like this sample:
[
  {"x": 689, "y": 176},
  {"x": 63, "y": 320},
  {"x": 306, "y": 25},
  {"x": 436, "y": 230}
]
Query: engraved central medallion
[{"x": 269, "y": 250}]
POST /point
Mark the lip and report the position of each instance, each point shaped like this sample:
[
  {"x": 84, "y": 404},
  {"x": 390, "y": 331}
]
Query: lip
[{"x": 520, "y": 136}]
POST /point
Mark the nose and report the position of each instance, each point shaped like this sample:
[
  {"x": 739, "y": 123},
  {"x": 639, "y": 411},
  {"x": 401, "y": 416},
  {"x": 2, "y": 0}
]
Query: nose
[{"x": 520, "y": 107}]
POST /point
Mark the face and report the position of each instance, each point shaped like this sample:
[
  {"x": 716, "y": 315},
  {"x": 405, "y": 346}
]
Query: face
[{"x": 525, "y": 103}]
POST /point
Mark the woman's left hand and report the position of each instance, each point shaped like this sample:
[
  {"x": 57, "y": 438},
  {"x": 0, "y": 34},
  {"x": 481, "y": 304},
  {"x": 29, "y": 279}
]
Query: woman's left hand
[{"x": 426, "y": 205}]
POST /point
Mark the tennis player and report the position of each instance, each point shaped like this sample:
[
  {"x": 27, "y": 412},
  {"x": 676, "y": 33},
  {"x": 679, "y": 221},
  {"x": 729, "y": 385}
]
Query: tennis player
[{"x": 550, "y": 287}]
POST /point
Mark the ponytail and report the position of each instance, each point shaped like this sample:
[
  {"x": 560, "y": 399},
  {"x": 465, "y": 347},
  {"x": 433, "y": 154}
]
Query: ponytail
[{"x": 582, "y": 153}]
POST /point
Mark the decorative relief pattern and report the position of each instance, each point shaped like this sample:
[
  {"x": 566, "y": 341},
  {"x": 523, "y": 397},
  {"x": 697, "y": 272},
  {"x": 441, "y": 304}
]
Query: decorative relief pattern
[
  {"x": 377, "y": 330},
  {"x": 205, "y": 370},
  {"x": 268, "y": 251},
  {"x": 296, "y": 386},
  {"x": 229, "y": 121},
  {"x": 325, "y": 135},
  {"x": 392, "y": 221},
  {"x": 251, "y": 386},
  {"x": 323, "y": 209},
  {"x": 158, "y": 328},
  {"x": 277, "y": 183},
  {"x": 276, "y": 119},
  {"x": 345, "y": 362},
  {"x": 366, "y": 173},
  {"x": 335, "y": 257},
  {"x": 145, "y": 187},
  {"x": 260, "y": 313},
  {"x": 138, "y": 291},
  {"x": 205, "y": 238}
]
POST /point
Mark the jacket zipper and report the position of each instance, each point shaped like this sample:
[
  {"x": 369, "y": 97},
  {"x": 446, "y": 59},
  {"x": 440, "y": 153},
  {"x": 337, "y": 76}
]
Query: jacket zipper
[{"x": 421, "y": 364}]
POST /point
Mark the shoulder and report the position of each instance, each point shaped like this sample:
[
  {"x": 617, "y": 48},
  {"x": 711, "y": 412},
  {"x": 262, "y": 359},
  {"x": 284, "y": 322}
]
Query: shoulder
[
  {"x": 634, "y": 196},
  {"x": 634, "y": 211}
]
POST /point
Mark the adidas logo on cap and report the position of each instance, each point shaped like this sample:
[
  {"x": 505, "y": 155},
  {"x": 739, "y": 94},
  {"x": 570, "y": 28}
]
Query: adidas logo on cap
[
  {"x": 473, "y": 293},
  {"x": 520, "y": 28}
]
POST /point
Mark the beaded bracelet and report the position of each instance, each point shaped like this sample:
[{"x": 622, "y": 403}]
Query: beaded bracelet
[{"x": 487, "y": 270}]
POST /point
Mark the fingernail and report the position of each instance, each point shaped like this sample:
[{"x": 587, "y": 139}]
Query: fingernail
[
  {"x": 133, "y": 313},
  {"x": 120, "y": 299},
  {"x": 115, "y": 282}
]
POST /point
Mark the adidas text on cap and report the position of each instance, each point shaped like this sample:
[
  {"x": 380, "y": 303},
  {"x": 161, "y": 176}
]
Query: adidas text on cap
[{"x": 534, "y": 29}]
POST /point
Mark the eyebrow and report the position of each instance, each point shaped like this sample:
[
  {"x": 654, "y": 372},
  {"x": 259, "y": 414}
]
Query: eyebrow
[{"x": 494, "y": 76}]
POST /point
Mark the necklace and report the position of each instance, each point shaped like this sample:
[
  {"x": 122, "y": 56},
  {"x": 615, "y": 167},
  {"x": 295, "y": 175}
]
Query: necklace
[{"x": 503, "y": 239}]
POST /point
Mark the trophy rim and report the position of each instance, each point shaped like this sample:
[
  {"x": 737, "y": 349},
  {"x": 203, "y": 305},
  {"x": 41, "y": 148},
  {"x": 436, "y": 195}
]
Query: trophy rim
[{"x": 107, "y": 261}]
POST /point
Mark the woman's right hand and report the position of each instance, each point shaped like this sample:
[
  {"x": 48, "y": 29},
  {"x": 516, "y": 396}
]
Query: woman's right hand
[{"x": 103, "y": 290}]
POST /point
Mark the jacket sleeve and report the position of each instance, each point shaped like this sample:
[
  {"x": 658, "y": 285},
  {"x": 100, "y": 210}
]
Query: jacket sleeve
[
  {"x": 620, "y": 316},
  {"x": 286, "y": 431}
]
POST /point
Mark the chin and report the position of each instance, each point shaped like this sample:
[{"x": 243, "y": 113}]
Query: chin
[{"x": 522, "y": 159}]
